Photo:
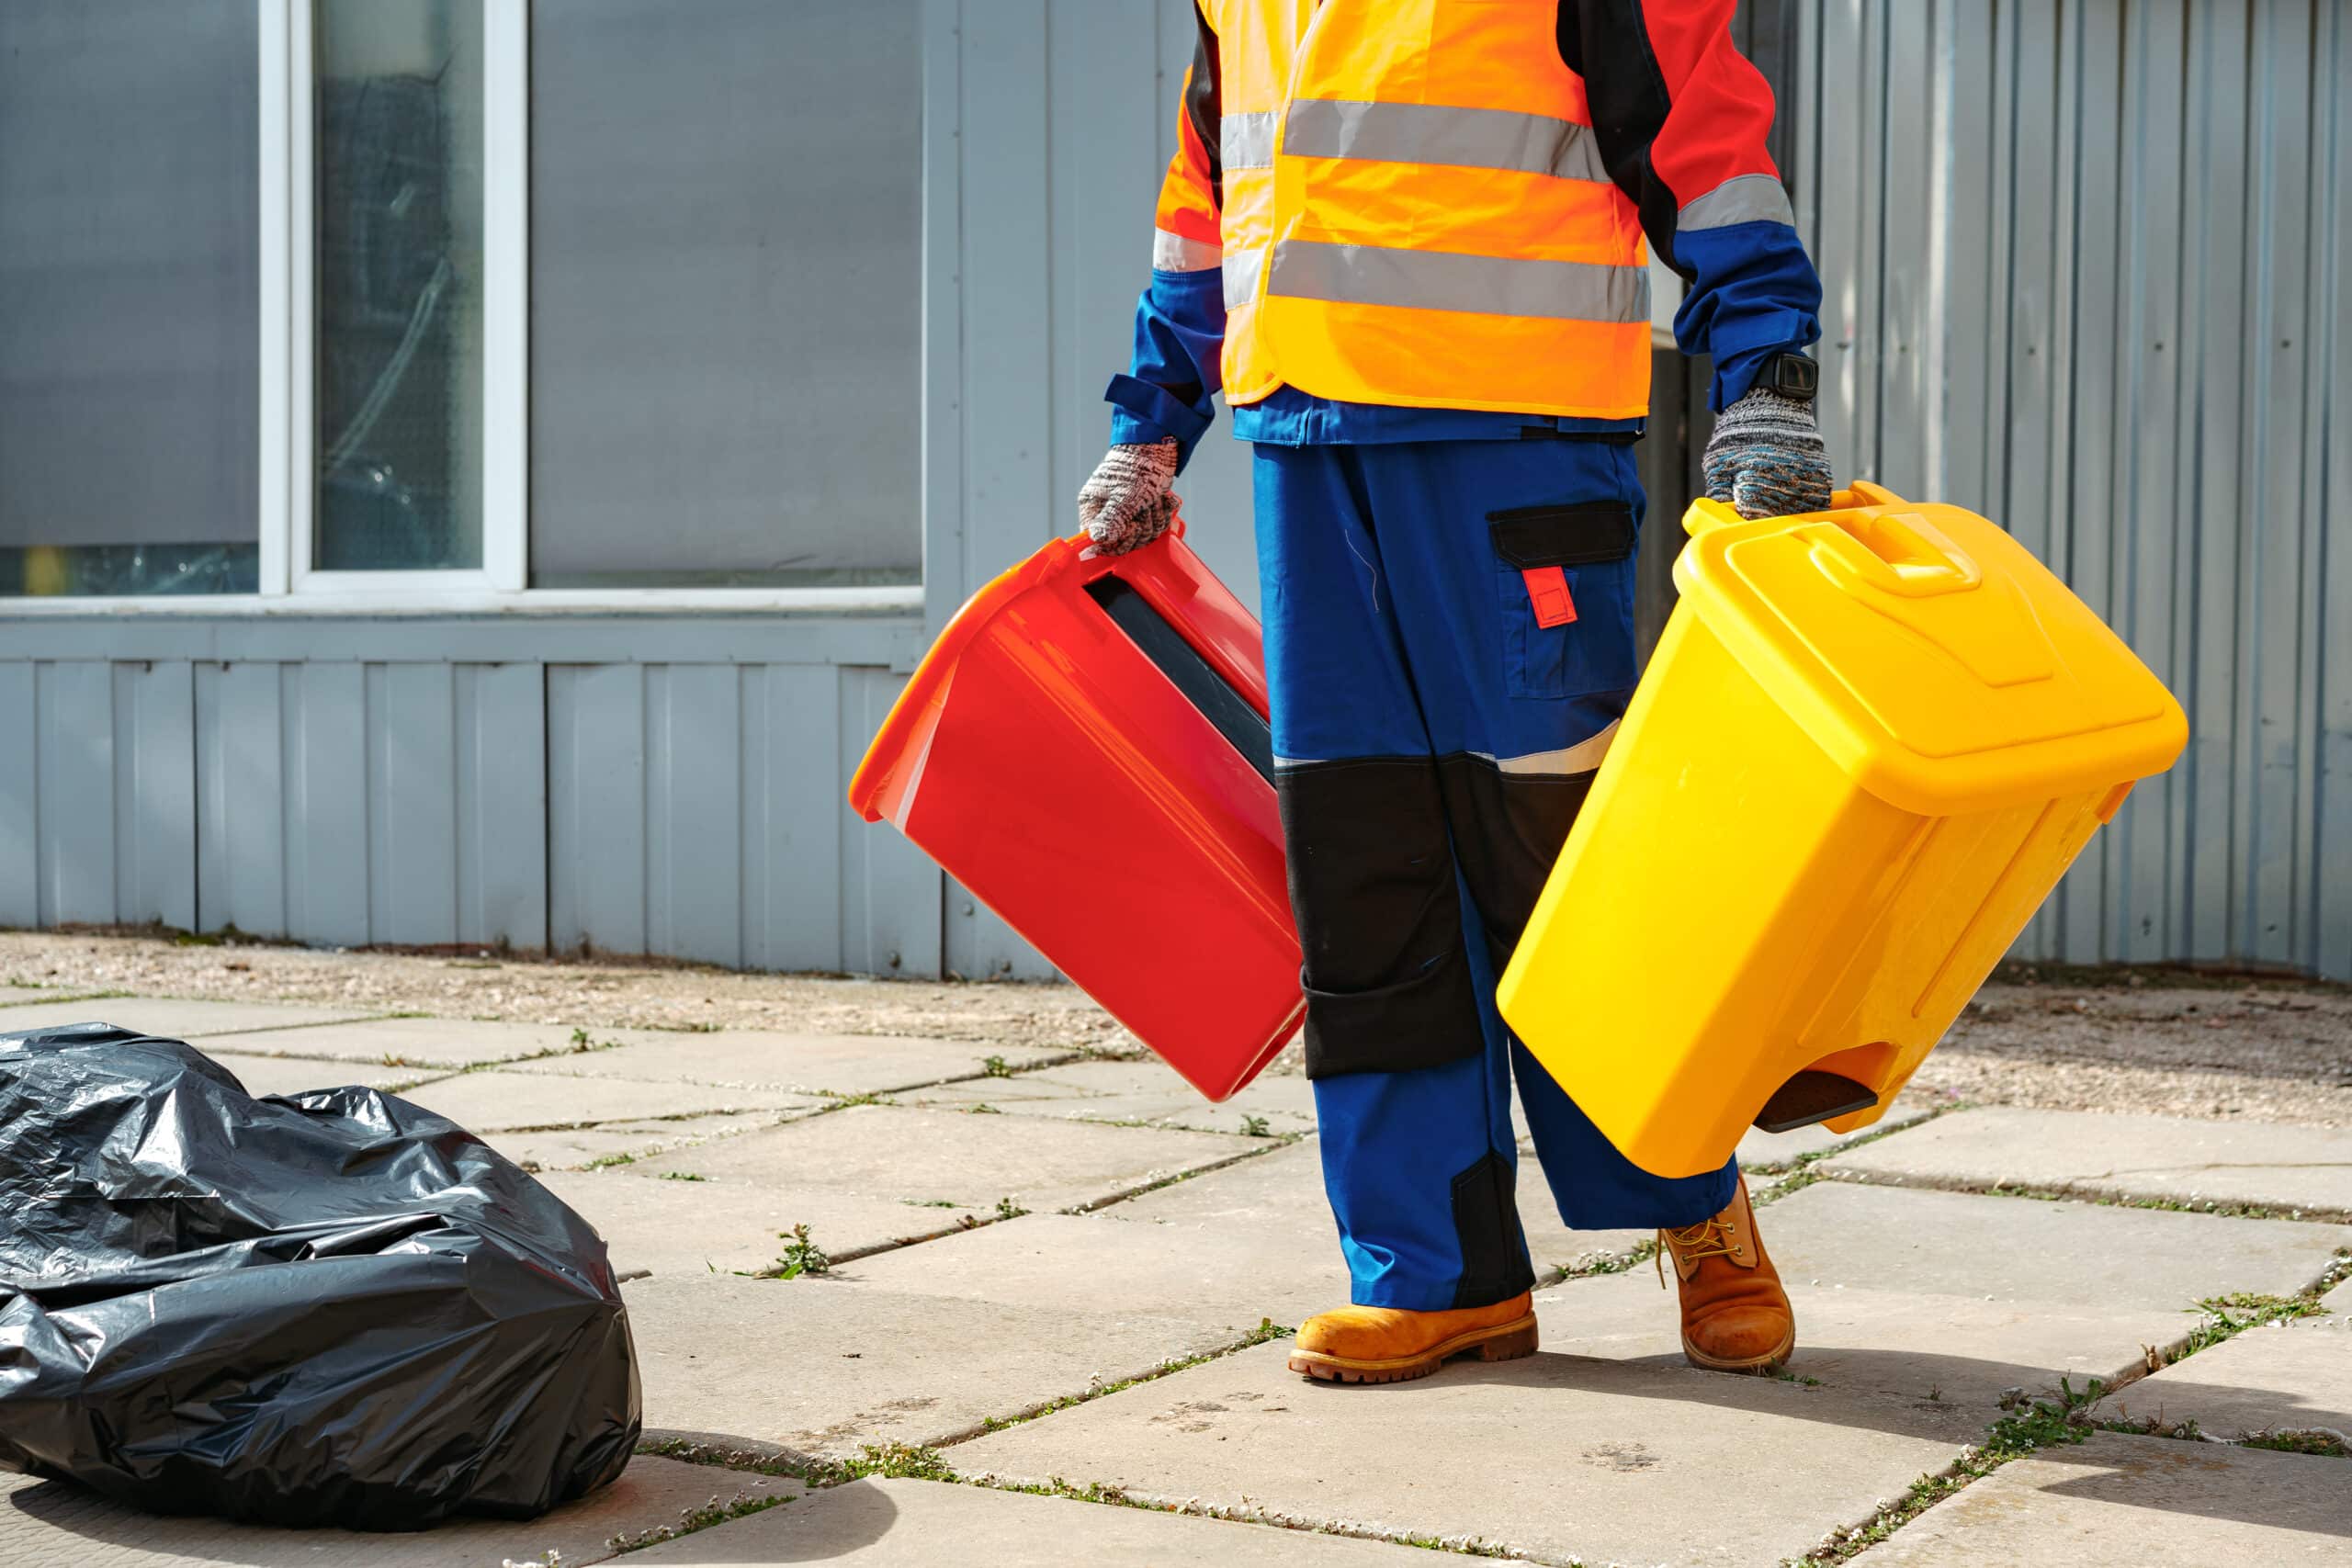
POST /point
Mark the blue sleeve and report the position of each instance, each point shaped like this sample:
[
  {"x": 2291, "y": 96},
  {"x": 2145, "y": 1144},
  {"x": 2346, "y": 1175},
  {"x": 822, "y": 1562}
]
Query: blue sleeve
[
  {"x": 1171, "y": 381},
  {"x": 1753, "y": 293}
]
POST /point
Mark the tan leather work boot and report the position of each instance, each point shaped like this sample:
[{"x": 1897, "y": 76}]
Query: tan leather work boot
[
  {"x": 1359, "y": 1343},
  {"x": 1736, "y": 1317}
]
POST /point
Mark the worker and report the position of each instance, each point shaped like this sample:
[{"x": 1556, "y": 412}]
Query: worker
[{"x": 1405, "y": 239}]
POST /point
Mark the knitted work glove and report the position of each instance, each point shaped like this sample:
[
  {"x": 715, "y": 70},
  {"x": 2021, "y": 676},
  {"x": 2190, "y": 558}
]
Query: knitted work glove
[
  {"x": 1765, "y": 457},
  {"x": 1127, "y": 502}
]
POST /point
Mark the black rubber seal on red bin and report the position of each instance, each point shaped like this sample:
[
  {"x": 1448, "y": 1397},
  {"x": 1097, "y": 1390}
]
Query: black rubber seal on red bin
[{"x": 1190, "y": 673}]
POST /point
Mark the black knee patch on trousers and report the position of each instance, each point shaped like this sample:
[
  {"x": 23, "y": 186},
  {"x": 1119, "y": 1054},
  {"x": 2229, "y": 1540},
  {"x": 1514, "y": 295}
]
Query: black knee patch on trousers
[
  {"x": 1495, "y": 1265},
  {"x": 1372, "y": 885},
  {"x": 1507, "y": 830}
]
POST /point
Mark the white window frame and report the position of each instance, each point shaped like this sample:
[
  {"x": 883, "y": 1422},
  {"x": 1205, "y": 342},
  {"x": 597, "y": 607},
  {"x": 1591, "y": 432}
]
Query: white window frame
[{"x": 288, "y": 583}]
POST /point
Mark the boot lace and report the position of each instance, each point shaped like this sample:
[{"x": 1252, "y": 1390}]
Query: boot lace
[{"x": 1708, "y": 1238}]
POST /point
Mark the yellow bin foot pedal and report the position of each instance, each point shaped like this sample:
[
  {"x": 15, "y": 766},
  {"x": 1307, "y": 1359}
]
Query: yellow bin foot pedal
[{"x": 1813, "y": 1096}]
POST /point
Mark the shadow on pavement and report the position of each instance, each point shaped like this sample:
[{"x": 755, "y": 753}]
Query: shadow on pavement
[
  {"x": 817, "y": 1528},
  {"x": 1862, "y": 1396}
]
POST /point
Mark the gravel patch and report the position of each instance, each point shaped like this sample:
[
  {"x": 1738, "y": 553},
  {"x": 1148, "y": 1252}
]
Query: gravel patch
[
  {"x": 2156, "y": 1043},
  {"x": 595, "y": 994},
  {"x": 2263, "y": 1052}
]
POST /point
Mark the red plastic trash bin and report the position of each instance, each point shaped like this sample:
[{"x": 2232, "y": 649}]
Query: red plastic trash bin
[{"x": 1086, "y": 750}]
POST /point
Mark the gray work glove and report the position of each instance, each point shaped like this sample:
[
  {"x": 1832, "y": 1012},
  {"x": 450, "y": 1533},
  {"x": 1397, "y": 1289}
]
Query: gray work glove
[
  {"x": 1765, "y": 457},
  {"x": 1127, "y": 503}
]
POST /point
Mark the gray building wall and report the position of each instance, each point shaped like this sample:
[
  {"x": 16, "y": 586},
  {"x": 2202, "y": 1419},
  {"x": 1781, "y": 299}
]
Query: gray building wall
[
  {"x": 2085, "y": 267},
  {"x": 2085, "y": 272}
]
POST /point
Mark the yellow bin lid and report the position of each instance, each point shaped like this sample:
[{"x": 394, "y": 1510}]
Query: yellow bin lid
[{"x": 1928, "y": 652}]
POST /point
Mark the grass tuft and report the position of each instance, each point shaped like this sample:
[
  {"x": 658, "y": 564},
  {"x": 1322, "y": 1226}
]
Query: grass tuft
[
  {"x": 800, "y": 1256},
  {"x": 2029, "y": 1428},
  {"x": 889, "y": 1461},
  {"x": 714, "y": 1512}
]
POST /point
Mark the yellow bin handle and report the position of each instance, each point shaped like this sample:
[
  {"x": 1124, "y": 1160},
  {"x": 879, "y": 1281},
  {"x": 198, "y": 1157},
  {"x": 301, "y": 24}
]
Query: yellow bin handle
[
  {"x": 1857, "y": 544},
  {"x": 1705, "y": 515}
]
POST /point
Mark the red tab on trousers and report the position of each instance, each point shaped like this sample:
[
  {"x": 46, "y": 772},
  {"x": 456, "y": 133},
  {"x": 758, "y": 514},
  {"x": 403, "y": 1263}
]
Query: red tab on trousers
[{"x": 1547, "y": 589}]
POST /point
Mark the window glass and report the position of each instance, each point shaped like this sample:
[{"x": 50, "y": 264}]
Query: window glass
[
  {"x": 397, "y": 285},
  {"x": 129, "y": 264},
  {"x": 725, "y": 292}
]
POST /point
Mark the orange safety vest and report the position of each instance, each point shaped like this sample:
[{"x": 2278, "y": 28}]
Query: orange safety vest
[{"x": 1414, "y": 211}]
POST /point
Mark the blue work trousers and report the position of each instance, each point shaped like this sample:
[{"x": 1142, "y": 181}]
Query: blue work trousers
[{"x": 1449, "y": 646}]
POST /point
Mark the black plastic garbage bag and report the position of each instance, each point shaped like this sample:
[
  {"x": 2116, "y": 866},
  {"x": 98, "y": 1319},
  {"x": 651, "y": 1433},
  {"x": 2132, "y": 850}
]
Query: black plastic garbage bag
[{"x": 329, "y": 1308}]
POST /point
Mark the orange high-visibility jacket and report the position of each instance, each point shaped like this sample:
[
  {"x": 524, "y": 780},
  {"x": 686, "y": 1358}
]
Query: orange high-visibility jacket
[{"x": 1441, "y": 203}]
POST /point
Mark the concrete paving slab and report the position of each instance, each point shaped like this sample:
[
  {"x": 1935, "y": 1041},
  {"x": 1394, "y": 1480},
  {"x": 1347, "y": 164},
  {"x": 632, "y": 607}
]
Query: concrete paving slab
[
  {"x": 505, "y": 1102},
  {"x": 1553, "y": 1455},
  {"x": 1280, "y": 1200},
  {"x": 1944, "y": 1356},
  {"x": 892, "y": 1152},
  {"x": 1224, "y": 1277},
  {"x": 419, "y": 1042},
  {"x": 295, "y": 1075},
  {"x": 668, "y": 1226},
  {"x": 752, "y": 1059},
  {"x": 2147, "y": 1501},
  {"x": 575, "y": 1148},
  {"x": 848, "y": 1225},
  {"x": 1945, "y": 1299},
  {"x": 1043, "y": 1089},
  {"x": 2020, "y": 1249},
  {"x": 2294, "y": 1377},
  {"x": 822, "y": 1365},
  {"x": 2292, "y": 1169},
  {"x": 52, "y": 1523},
  {"x": 919, "y": 1524},
  {"x": 1761, "y": 1150},
  {"x": 1143, "y": 1091},
  {"x": 172, "y": 1020}
]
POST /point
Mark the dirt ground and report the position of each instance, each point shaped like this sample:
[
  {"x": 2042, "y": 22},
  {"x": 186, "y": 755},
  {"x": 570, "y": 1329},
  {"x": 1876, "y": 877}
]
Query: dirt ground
[{"x": 2155, "y": 1042}]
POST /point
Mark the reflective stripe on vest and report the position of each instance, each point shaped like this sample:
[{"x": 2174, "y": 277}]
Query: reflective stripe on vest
[
  {"x": 1441, "y": 280},
  {"x": 1241, "y": 270},
  {"x": 1247, "y": 141},
  {"x": 1434, "y": 133}
]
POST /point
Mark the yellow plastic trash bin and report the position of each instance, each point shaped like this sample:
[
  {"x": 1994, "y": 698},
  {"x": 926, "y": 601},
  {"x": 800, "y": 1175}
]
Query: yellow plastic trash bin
[{"x": 1870, "y": 742}]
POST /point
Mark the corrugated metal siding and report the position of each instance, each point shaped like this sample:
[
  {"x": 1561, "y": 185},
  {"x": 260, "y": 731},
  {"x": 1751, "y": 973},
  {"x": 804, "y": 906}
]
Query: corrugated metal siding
[
  {"x": 2086, "y": 271},
  {"x": 694, "y": 809},
  {"x": 699, "y": 811}
]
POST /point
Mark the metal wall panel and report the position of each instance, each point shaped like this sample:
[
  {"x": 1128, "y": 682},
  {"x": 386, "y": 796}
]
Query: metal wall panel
[
  {"x": 73, "y": 734},
  {"x": 793, "y": 829},
  {"x": 694, "y": 812},
  {"x": 154, "y": 795},
  {"x": 502, "y": 803},
  {"x": 323, "y": 710},
  {"x": 2090, "y": 283},
  {"x": 891, "y": 894},
  {"x": 241, "y": 798},
  {"x": 596, "y": 768},
  {"x": 699, "y": 811},
  {"x": 20, "y": 800},
  {"x": 412, "y": 796},
  {"x": 1011, "y": 503}
]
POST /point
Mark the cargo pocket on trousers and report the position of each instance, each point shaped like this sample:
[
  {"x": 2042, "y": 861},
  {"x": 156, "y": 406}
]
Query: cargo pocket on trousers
[{"x": 1564, "y": 575}]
